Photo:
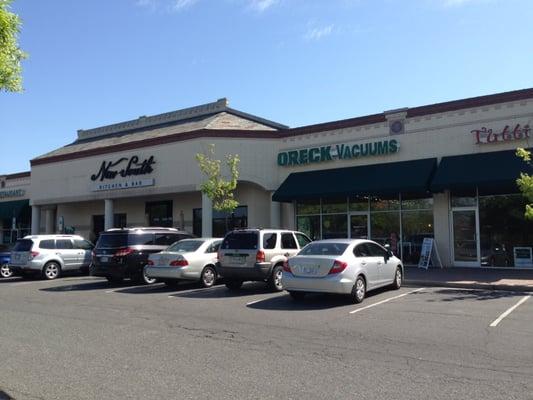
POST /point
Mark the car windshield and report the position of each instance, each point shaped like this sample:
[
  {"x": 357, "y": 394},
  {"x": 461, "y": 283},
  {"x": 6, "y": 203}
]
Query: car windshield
[
  {"x": 112, "y": 240},
  {"x": 323, "y": 249},
  {"x": 185, "y": 246},
  {"x": 240, "y": 240},
  {"x": 23, "y": 245}
]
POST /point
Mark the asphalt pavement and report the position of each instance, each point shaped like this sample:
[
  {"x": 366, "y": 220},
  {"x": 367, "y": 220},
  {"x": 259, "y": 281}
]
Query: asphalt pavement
[{"x": 80, "y": 338}]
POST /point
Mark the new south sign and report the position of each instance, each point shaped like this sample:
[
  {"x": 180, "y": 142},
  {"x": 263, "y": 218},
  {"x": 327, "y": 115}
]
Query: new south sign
[{"x": 345, "y": 151}]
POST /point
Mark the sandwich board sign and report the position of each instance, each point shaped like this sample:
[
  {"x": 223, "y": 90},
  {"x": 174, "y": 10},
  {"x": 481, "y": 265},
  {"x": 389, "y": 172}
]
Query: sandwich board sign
[{"x": 428, "y": 254}]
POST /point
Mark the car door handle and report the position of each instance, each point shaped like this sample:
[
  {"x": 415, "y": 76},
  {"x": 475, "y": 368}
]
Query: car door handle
[
  {"x": 380, "y": 263},
  {"x": 286, "y": 254},
  {"x": 363, "y": 263}
]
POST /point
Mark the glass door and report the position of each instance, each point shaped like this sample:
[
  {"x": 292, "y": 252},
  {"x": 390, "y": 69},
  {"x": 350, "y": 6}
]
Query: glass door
[
  {"x": 465, "y": 237},
  {"x": 359, "y": 225}
]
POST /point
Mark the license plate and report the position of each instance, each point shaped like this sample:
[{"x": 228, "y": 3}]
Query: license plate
[
  {"x": 309, "y": 269},
  {"x": 104, "y": 259},
  {"x": 162, "y": 261},
  {"x": 238, "y": 259}
]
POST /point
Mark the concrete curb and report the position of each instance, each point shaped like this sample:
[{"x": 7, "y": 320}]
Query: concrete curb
[{"x": 469, "y": 285}]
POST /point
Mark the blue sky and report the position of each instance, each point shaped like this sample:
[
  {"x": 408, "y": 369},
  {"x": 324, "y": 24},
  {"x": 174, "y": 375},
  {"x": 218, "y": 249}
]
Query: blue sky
[{"x": 297, "y": 62}]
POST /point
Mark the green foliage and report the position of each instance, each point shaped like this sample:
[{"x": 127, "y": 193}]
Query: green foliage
[
  {"x": 218, "y": 189},
  {"x": 525, "y": 183},
  {"x": 10, "y": 53}
]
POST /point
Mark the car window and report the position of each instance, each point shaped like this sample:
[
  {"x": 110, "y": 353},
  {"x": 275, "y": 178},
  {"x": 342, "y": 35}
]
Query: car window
[
  {"x": 323, "y": 249},
  {"x": 269, "y": 240},
  {"x": 376, "y": 251},
  {"x": 288, "y": 241},
  {"x": 23, "y": 245},
  {"x": 138, "y": 239},
  {"x": 361, "y": 250},
  {"x": 240, "y": 240},
  {"x": 83, "y": 244},
  {"x": 302, "y": 239},
  {"x": 47, "y": 244},
  {"x": 166, "y": 239},
  {"x": 213, "y": 248},
  {"x": 111, "y": 240},
  {"x": 64, "y": 244},
  {"x": 185, "y": 246}
]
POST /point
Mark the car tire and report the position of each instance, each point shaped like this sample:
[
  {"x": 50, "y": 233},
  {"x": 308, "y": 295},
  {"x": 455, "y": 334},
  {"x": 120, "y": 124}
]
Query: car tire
[
  {"x": 297, "y": 295},
  {"x": 398, "y": 279},
  {"x": 208, "y": 276},
  {"x": 274, "y": 282},
  {"x": 51, "y": 271},
  {"x": 359, "y": 290},
  {"x": 233, "y": 285},
  {"x": 145, "y": 280},
  {"x": 5, "y": 271},
  {"x": 114, "y": 279}
]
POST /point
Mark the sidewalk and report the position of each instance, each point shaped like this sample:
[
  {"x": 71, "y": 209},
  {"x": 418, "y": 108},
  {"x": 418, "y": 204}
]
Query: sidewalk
[{"x": 473, "y": 278}]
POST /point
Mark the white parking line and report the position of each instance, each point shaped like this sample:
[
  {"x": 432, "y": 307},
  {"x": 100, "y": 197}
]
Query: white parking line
[
  {"x": 509, "y": 311},
  {"x": 193, "y": 291},
  {"x": 385, "y": 301}
]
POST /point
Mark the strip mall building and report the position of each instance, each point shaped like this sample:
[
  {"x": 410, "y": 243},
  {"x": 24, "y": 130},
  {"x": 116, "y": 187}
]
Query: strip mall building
[{"x": 445, "y": 171}]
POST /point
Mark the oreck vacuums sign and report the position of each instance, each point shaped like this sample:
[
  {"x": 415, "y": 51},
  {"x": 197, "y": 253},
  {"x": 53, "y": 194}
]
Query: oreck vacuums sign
[{"x": 345, "y": 151}]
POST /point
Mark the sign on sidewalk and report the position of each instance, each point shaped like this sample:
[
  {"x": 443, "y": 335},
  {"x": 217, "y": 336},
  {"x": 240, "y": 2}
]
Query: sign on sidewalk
[{"x": 429, "y": 254}]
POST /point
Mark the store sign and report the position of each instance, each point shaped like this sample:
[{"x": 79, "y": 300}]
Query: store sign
[
  {"x": 123, "y": 184},
  {"x": 5, "y": 194},
  {"x": 337, "y": 152},
  {"x": 508, "y": 134},
  {"x": 523, "y": 257},
  {"x": 123, "y": 167}
]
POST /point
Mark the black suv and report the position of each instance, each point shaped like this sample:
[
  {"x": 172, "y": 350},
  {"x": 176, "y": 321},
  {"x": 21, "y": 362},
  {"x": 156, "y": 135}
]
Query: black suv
[{"x": 123, "y": 253}]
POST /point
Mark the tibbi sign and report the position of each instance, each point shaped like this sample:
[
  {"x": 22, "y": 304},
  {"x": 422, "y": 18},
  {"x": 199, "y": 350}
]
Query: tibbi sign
[{"x": 337, "y": 152}]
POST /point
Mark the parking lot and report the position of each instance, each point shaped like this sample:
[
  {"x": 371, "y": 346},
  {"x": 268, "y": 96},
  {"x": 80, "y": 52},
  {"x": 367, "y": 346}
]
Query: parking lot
[{"x": 79, "y": 337}]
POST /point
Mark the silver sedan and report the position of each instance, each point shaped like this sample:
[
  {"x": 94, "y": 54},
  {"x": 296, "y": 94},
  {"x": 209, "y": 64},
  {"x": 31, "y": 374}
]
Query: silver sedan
[
  {"x": 345, "y": 266},
  {"x": 188, "y": 259}
]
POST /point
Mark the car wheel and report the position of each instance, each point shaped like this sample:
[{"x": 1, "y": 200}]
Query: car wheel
[
  {"x": 275, "y": 279},
  {"x": 146, "y": 280},
  {"x": 51, "y": 270},
  {"x": 233, "y": 285},
  {"x": 208, "y": 277},
  {"x": 5, "y": 271},
  {"x": 297, "y": 295},
  {"x": 398, "y": 278},
  {"x": 359, "y": 290},
  {"x": 114, "y": 279}
]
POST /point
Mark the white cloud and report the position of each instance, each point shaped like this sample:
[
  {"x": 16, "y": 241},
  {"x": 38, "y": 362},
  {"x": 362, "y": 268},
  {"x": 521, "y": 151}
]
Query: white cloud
[
  {"x": 181, "y": 4},
  {"x": 458, "y": 3},
  {"x": 262, "y": 5},
  {"x": 318, "y": 33},
  {"x": 146, "y": 3}
]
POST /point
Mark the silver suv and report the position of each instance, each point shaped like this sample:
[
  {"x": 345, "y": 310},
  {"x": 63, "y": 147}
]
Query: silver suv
[
  {"x": 50, "y": 255},
  {"x": 257, "y": 255}
]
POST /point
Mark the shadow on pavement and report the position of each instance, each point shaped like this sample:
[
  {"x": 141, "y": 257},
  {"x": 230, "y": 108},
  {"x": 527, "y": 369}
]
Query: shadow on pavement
[
  {"x": 470, "y": 294},
  {"x": 93, "y": 285},
  {"x": 159, "y": 288},
  {"x": 220, "y": 291}
]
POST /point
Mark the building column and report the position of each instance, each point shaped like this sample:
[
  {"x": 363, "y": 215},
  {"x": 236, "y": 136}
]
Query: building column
[
  {"x": 275, "y": 213},
  {"x": 108, "y": 214},
  {"x": 35, "y": 219},
  {"x": 49, "y": 220},
  {"x": 207, "y": 216}
]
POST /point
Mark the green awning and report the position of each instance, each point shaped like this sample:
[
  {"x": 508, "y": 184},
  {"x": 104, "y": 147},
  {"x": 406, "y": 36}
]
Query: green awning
[
  {"x": 492, "y": 173},
  {"x": 10, "y": 209},
  {"x": 409, "y": 177}
]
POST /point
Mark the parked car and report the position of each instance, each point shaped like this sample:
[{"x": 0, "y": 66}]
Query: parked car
[
  {"x": 257, "y": 255},
  {"x": 5, "y": 256},
  {"x": 123, "y": 253},
  {"x": 345, "y": 266},
  {"x": 50, "y": 255},
  {"x": 188, "y": 259},
  {"x": 496, "y": 256}
]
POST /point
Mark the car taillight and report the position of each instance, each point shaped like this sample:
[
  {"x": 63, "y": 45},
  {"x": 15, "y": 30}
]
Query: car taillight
[
  {"x": 338, "y": 266},
  {"x": 219, "y": 255},
  {"x": 150, "y": 262},
  {"x": 93, "y": 254},
  {"x": 179, "y": 263},
  {"x": 260, "y": 256},
  {"x": 124, "y": 252},
  {"x": 34, "y": 254},
  {"x": 286, "y": 267}
]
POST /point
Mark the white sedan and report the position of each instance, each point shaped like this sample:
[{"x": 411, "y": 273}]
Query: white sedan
[
  {"x": 345, "y": 266},
  {"x": 188, "y": 259}
]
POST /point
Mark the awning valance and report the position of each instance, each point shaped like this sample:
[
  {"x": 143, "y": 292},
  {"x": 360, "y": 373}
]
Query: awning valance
[
  {"x": 410, "y": 177},
  {"x": 10, "y": 209},
  {"x": 492, "y": 173}
]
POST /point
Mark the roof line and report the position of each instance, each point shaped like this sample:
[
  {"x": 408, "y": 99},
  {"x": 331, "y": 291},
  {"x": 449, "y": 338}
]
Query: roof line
[{"x": 17, "y": 175}]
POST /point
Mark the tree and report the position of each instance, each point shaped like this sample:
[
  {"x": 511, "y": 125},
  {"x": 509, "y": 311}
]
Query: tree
[
  {"x": 216, "y": 187},
  {"x": 525, "y": 182},
  {"x": 10, "y": 53}
]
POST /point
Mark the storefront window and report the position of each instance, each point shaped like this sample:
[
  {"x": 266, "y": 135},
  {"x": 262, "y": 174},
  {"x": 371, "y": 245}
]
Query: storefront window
[
  {"x": 464, "y": 199},
  {"x": 416, "y": 225},
  {"x": 417, "y": 204},
  {"x": 385, "y": 229},
  {"x": 378, "y": 204},
  {"x": 506, "y": 237},
  {"x": 359, "y": 203},
  {"x": 334, "y": 226},
  {"x": 308, "y": 207},
  {"x": 310, "y": 225},
  {"x": 159, "y": 213},
  {"x": 222, "y": 222},
  {"x": 334, "y": 206}
]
